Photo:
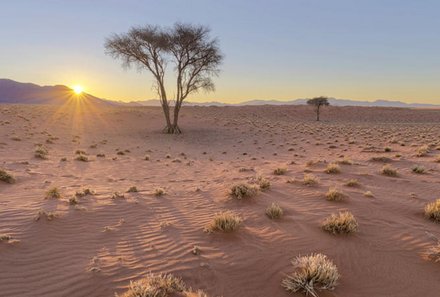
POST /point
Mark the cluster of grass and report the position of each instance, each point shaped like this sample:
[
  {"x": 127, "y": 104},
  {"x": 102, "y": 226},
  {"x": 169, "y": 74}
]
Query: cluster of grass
[
  {"x": 343, "y": 222},
  {"x": 310, "y": 180},
  {"x": 332, "y": 168},
  {"x": 132, "y": 189},
  {"x": 84, "y": 193},
  {"x": 422, "y": 151},
  {"x": 352, "y": 183},
  {"x": 432, "y": 210},
  {"x": 5, "y": 237},
  {"x": 49, "y": 215},
  {"x": 418, "y": 169},
  {"x": 82, "y": 158},
  {"x": 263, "y": 183},
  {"x": 160, "y": 285},
  {"x": 41, "y": 152},
  {"x": 368, "y": 194},
  {"x": 389, "y": 171},
  {"x": 117, "y": 195},
  {"x": 6, "y": 177},
  {"x": 280, "y": 171},
  {"x": 381, "y": 159},
  {"x": 313, "y": 272},
  {"x": 243, "y": 191},
  {"x": 345, "y": 162},
  {"x": 274, "y": 211},
  {"x": 53, "y": 193},
  {"x": 333, "y": 194},
  {"x": 225, "y": 221},
  {"x": 159, "y": 192}
]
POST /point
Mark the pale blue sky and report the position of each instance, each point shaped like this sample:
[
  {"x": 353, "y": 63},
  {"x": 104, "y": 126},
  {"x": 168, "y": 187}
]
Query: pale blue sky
[{"x": 281, "y": 49}]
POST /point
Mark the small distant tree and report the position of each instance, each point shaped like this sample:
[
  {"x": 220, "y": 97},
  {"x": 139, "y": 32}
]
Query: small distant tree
[
  {"x": 317, "y": 102},
  {"x": 195, "y": 55}
]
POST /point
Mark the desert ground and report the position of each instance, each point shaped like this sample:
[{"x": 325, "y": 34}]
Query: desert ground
[{"x": 94, "y": 244}]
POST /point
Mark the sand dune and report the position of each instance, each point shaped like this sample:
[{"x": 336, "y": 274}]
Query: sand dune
[{"x": 97, "y": 246}]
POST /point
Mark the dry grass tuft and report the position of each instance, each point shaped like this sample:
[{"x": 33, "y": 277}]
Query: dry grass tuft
[
  {"x": 82, "y": 158},
  {"x": 225, "y": 221},
  {"x": 49, "y": 215},
  {"x": 41, "y": 152},
  {"x": 6, "y": 177},
  {"x": 432, "y": 210},
  {"x": 132, "y": 189},
  {"x": 157, "y": 285},
  {"x": 334, "y": 194},
  {"x": 332, "y": 168},
  {"x": 345, "y": 162},
  {"x": 241, "y": 191},
  {"x": 418, "y": 169},
  {"x": 159, "y": 192},
  {"x": 5, "y": 237},
  {"x": 313, "y": 272},
  {"x": 389, "y": 171},
  {"x": 310, "y": 180},
  {"x": 53, "y": 193},
  {"x": 263, "y": 183},
  {"x": 369, "y": 194},
  {"x": 84, "y": 193},
  {"x": 352, "y": 183},
  {"x": 117, "y": 195},
  {"x": 422, "y": 151},
  {"x": 343, "y": 222},
  {"x": 274, "y": 211},
  {"x": 280, "y": 171},
  {"x": 381, "y": 159}
]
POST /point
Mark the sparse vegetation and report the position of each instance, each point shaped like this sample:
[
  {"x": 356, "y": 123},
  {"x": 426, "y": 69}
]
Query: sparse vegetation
[
  {"x": 313, "y": 272},
  {"x": 433, "y": 253},
  {"x": 41, "y": 152},
  {"x": 274, "y": 211},
  {"x": 225, "y": 221},
  {"x": 49, "y": 215},
  {"x": 418, "y": 169},
  {"x": 132, "y": 189},
  {"x": 432, "y": 210},
  {"x": 333, "y": 194},
  {"x": 5, "y": 237},
  {"x": 352, "y": 183},
  {"x": 368, "y": 194},
  {"x": 343, "y": 222},
  {"x": 310, "y": 180},
  {"x": 263, "y": 183},
  {"x": 117, "y": 195},
  {"x": 389, "y": 171},
  {"x": 242, "y": 191},
  {"x": 53, "y": 193},
  {"x": 280, "y": 171},
  {"x": 159, "y": 192},
  {"x": 84, "y": 193},
  {"x": 332, "y": 168},
  {"x": 160, "y": 285},
  {"x": 422, "y": 151},
  {"x": 82, "y": 158},
  {"x": 6, "y": 177}
]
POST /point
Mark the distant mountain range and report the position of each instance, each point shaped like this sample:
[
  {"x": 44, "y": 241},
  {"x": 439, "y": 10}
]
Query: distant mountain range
[{"x": 28, "y": 93}]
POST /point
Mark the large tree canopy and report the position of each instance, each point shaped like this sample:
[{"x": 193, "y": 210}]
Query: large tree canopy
[
  {"x": 195, "y": 55},
  {"x": 317, "y": 102}
]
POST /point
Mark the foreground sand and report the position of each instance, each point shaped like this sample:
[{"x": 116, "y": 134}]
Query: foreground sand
[{"x": 96, "y": 247}]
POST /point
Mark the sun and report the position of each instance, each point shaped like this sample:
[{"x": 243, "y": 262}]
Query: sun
[{"x": 78, "y": 89}]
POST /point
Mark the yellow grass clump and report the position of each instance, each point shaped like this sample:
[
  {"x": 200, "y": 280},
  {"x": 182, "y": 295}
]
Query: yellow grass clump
[
  {"x": 53, "y": 193},
  {"x": 332, "y": 168},
  {"x": 334, "y": 194},
  {"x": 280, "y": 171},
  {"x": 160, "y": 285},
  {"x": 6, "y": 177},
  {"x": 241, "y": 191},
  {"x": 432, "y": 210},
  {"x": 389, "y": 171},
  {"x": 274, "y": 211},
  {"x": 225, "y": 221},
  {"x": 313, "y": 272},
  {"x": 343, "y": 222},
  {"x": 41, "y": 152},
  {"x": 310, "y": 180},
  {"x": 352, "y": 183},
  {"x": 422, "y": 151}
]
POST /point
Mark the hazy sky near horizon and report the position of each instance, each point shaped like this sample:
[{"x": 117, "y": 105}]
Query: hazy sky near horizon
[{"x": 279, "y": 49}]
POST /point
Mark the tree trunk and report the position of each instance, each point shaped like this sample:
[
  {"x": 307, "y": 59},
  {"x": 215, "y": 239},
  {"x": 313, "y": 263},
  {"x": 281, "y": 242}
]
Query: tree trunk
[
  {"x": 317, "y": 114},
  {"x": 175, "y": 126}
]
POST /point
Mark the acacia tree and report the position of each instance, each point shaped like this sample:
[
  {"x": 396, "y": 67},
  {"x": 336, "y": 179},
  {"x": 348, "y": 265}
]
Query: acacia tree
[
  {"x": 195, "y": 55},
  {"x": 317, "y": 102}
]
